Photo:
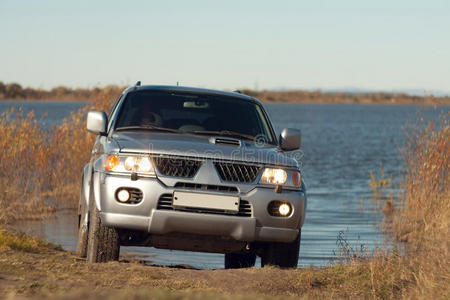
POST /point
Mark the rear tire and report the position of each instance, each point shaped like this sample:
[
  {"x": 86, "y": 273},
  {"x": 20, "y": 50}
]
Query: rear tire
[
  {"x": 103, "y": 242},
  {"x": 82, "y": 230},
  {"x": 238, "y": 260},
  {"x": 283, "y": 255}
]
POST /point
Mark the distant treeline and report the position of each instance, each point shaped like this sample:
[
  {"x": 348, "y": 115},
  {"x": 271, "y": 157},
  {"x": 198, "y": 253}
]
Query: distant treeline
[
  {"x": 297, "y": 96},
  {"x": 12, "y": 91}
]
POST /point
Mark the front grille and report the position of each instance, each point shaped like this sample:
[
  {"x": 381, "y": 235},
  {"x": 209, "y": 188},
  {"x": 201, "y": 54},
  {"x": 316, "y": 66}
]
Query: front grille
[
  {"x": 233, "y": 172},
  {"x": 165, "y": 203},
  {"x": 177, "y": 167},
  {"x": 206, "y": 187}
]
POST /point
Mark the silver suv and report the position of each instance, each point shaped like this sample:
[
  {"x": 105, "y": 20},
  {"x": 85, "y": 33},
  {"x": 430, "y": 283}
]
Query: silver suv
[{"x": 191, "y": 169}]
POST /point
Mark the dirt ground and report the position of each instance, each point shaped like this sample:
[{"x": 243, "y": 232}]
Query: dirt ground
[{"x": 54, "y": 273}]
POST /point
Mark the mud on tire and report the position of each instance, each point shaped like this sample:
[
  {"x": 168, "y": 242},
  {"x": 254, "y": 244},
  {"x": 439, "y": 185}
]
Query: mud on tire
[
  {"x": 82, "y": 229},
  {"x": 103, "y": 242}
]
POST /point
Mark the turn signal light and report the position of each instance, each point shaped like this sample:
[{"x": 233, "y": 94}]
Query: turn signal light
[
  {"x": 112, "y": 163},
  {"x": 296, "y": 179}
]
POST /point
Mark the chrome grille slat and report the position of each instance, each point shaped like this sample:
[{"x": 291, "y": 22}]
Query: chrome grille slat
[
  {"x": 234, "y": 172},
  {"x": 177, "y": 167}
]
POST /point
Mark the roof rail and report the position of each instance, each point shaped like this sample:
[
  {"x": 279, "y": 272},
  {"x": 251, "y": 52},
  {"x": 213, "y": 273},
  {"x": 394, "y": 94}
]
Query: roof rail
[
  {"x": 138, "y": 83},
  {"x": 237, "y": 91}
]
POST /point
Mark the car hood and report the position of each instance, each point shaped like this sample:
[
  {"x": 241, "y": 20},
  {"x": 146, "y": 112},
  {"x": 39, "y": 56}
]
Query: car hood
[{"x": 200, "y": 146}]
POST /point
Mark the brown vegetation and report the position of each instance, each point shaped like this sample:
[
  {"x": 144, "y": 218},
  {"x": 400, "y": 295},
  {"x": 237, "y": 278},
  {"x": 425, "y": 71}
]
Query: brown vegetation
[
  {"x": 13, "y": 91},
  {"x": 41, "y": 169},
  {"x": 347, "y": 98},
  {"x": 423, "y": 217}
]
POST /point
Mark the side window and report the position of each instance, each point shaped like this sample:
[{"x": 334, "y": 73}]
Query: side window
[{"x": 112, "y": 112}]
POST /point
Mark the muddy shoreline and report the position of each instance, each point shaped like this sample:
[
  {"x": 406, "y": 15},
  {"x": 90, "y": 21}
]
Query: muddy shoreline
[{"x": 44, "y": 270}]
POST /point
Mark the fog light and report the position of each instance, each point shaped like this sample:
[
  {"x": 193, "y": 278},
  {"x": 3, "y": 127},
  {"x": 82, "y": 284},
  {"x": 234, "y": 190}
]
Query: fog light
[
  {"x": 284, "y": 209},
  {"x": 279, "y": 208},
  {"x": 123, "y": 195}
]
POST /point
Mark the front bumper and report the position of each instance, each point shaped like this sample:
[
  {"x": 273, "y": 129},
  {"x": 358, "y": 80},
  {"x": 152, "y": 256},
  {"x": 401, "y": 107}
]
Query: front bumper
[{"x": 146, "y": 217}]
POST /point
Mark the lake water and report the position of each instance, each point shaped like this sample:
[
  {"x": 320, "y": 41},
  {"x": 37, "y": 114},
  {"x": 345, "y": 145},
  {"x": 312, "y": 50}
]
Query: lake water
[
  {"x": 340, "y": 145},
  {"x": 55, "y": 111}
]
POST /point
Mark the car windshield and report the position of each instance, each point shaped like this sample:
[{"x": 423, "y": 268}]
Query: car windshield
[{"x": 195, "y": 114}]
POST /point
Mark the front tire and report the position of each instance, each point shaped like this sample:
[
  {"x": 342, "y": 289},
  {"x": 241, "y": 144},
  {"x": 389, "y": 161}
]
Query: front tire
[
  {"x": 283, "y": 255},
  {"x": 103, "y": 242},
  {"x": 82, "y": 230},
  {"x": 238, "y": 260}
]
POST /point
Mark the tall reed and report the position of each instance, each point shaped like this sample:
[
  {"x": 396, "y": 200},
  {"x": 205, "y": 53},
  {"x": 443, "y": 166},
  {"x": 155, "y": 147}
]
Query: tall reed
[
  {"x": 41, "y": 169},
  {"x": 423, "y": 218}
]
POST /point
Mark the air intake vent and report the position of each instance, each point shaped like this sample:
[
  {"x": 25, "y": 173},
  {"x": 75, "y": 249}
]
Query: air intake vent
[
  {"x": 177, "y": 167},
  {"x": 226, "y": 141},
  {"x": 233, "y": 172},
  {"x": 165, "y": 202}
]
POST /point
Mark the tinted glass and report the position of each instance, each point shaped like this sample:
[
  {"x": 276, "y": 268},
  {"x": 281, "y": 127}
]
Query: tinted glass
[{"x": 191, "y": 113}]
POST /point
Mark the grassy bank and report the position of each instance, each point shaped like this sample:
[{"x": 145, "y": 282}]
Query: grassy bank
[
  {"x": 11, "y": 91},
  {"x": 32, "y": 268}
]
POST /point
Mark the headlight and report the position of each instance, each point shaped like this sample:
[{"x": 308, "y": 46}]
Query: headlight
[
  {"x": 274, "y": 176},
  {"x": 281, "y": 177},
  {"x": 138, "y": 164},
  {"x": 129, "y": 164}
]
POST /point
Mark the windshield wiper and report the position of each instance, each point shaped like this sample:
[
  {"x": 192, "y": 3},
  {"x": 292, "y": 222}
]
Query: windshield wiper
[
  {"x": 224, "y": 133},
  {"x": 147, "y": 127}
]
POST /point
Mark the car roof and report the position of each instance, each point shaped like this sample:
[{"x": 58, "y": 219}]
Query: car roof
[{"x": 191, "y": 90}]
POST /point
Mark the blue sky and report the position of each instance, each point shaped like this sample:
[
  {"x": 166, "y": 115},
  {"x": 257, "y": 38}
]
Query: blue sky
[{"x": 379, "y": 45}]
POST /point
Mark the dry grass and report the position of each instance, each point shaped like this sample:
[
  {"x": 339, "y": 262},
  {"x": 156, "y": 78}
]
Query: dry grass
[
  {"x": 22, "y": 242},
  {"x": 423, "y": 219},
  {"x": 41, "y": 169},
  {"x": 24, "y": 161}
]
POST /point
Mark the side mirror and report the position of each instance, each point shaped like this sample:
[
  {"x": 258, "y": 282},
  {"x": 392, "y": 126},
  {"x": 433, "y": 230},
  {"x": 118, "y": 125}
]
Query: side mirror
[
  {"x": 290, "y": 139},
  {"x": 96, "y": 122}
]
